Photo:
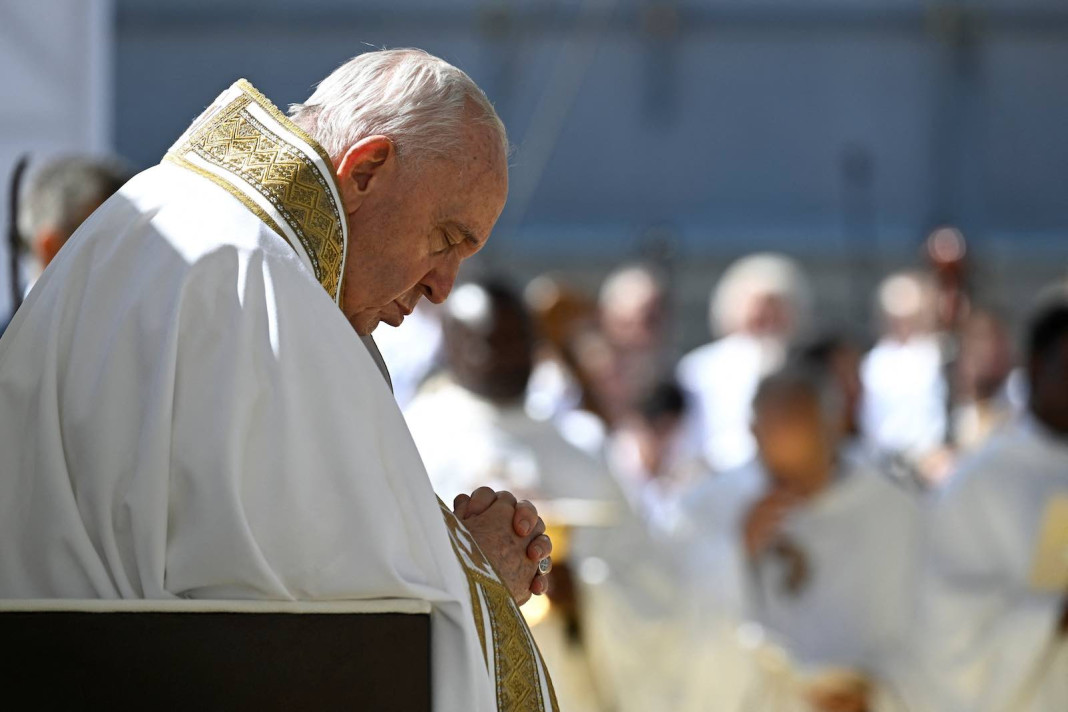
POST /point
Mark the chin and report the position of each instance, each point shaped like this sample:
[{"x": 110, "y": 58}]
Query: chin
[{"x": 364, "y": 325}]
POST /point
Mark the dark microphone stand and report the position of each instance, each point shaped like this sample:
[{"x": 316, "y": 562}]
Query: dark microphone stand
[{"x": 14, "y": 242}]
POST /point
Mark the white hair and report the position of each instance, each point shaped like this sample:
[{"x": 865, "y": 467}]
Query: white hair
[
  {"x": 64, "y": 191},
  {"x": 760, "y": 274},
  {"x": 418, "y": 101}
]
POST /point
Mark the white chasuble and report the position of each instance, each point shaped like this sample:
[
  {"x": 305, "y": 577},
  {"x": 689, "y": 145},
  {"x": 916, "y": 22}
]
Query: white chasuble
[{"x": 185, "y": 412}]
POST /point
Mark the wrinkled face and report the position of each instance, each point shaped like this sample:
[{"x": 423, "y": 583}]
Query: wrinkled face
[{"x": 411, "y": 228}]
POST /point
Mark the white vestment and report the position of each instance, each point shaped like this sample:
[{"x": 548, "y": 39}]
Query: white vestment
[
  {"x": 721, "y": 378},
  {"x": 987, "y": 631},
  {"x": 503, "y": 448},
  {"x": 904, "y": 404},
  {"x": 853, "y": 606},
  {"x": 507, "y": 449},
  {"x": 185, "y": 412},
  {"x": 629, "y": 589}
]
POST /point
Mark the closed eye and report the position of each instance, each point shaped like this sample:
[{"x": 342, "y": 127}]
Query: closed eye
[
  {"x": 468, "y": 236},
  {"x": 443, "y": 242}
]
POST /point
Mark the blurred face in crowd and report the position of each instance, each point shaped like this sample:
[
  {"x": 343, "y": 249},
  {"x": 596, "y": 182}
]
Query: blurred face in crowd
[
  {"x": 410, "y": 228},
  {"x": 907, "y": 302},
  {"x": 985, "y": 356},
  {"x": 1048, "y": 375},
  {"x": 633, "y": 314},
  {"x": 655, "y": 440},
  {"x": 46, "y": 243},
  {"x": 489, "y": 343},
  {"x": 845, "y": 367},
  {"x": 768, "y": 315},
  {"x": 796, "y": 444}
]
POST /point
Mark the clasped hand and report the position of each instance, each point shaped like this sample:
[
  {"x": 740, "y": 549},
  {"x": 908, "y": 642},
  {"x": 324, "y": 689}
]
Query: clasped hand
[{"x": 511, "y": 535}]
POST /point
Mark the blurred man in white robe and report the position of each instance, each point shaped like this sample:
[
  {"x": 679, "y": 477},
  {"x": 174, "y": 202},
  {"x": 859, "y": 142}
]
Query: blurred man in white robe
[
  {"x": 992, "y": 635},
  {"x": 489, "y": 346},
  {"x": 759, "y": 306},
  {"x": 990, "y": 390},
  {"x": 191, "y": 404},
  {"x": 816, "y": 547},
  {"x": 905, "y": 407},
  {"x": 649, "y": 458},
  {"x": 633, "y": 308}
]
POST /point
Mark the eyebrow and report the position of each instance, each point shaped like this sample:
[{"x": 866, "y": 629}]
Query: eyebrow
[{"x": 468, "y": 234}]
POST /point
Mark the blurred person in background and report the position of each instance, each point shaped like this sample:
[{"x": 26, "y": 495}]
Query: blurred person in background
[
  {"x": 905, "y": 391},
  {"x": 489, "y": 348},
  {"x": 489, "y": 345},
  {"x": 820, "y": 547},
  {"x": 761, "y": 303},
  {"x": 648, "y": 457},
  {"x": 62, "y": 194},
  {"x": 989, "y": 391},
  {"x": 993, "y": 599},
  {"x": 634, "y": 322},
  {"x": 561, "y": 386},
  {"x": 839, "y": 356}
]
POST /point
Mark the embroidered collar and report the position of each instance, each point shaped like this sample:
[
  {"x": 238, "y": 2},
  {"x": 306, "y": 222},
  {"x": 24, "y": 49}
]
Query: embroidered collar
[{"x": 243, "y": 143}]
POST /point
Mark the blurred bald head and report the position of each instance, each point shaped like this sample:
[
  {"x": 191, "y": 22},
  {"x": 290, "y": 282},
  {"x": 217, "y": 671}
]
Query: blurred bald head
[{"x": 489, "y": 340}]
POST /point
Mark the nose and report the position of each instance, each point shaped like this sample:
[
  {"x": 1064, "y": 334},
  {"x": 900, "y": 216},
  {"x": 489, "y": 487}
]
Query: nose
[{"x": 438, "y": 282}]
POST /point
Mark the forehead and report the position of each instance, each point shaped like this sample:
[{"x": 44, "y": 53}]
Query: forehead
[
  {"x": 786, "y": 403},
  {"x": 474, "y": 184}
]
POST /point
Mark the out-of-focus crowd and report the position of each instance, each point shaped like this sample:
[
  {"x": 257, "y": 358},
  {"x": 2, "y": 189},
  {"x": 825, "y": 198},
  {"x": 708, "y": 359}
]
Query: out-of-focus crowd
[{"x": 785, "y": 518}]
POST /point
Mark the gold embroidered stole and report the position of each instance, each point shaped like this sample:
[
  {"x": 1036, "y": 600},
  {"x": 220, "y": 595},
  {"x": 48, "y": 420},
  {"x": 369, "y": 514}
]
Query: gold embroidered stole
[
  {"x": 244, "y": 144},
  {"x": 512, "y": 657}
]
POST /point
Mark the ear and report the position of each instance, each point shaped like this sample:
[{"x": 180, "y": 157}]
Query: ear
[
  {"x": 46, "y": 245},
  {"x": 365, "y": 165}
]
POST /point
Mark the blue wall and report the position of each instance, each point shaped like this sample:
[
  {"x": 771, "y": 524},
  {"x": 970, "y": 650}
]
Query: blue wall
[{"x": 834, "y": 128}]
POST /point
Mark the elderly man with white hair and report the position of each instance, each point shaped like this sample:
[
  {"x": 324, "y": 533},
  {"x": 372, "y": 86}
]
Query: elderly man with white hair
[
  {"x": 760, "y": 303},
  {"x": 191, "y": 404}
]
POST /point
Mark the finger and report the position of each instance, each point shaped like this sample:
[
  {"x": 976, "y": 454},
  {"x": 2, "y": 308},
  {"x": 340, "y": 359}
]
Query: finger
[
  {"x": 540, "y": 585},
  {"x": 481, "y": 500},
  {"x": 538, "y": 549},
  {"x": 460, "y": 504},
  {"x": 506, "y": 496},
  {"x": 538, "y": 530},
  {"x": 525, "y": 518}
]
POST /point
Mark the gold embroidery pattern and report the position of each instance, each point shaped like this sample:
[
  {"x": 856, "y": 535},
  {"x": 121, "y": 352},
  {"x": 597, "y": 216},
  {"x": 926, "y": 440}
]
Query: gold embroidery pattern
[
  {"x": 515, "y": 656},
  {"x": 235, "y": 141}
]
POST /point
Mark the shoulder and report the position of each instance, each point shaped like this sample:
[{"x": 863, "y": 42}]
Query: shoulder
[
  {"x": 983, "y": 472},
  {"x": 882, "y": 494}
]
